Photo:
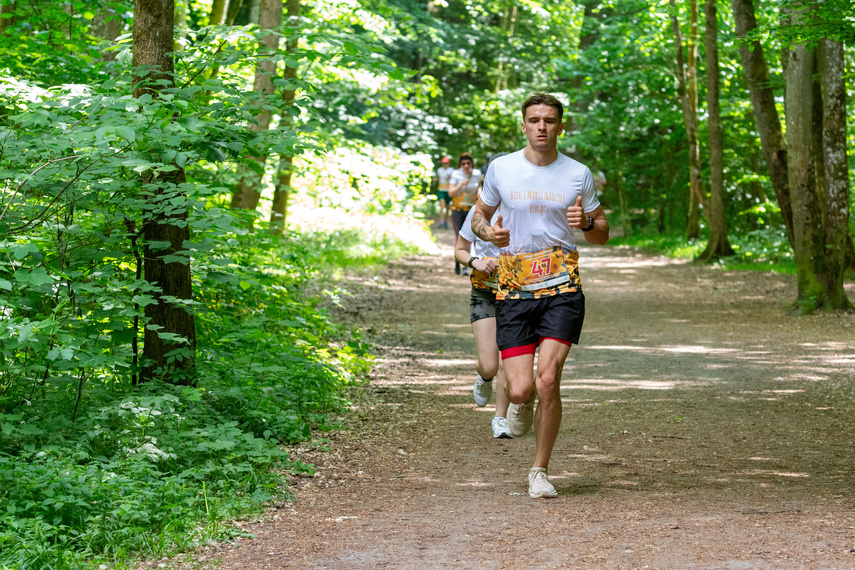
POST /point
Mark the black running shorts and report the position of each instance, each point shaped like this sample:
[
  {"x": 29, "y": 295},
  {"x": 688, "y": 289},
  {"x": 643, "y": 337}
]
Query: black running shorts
[
  {"x": 482, "y": 304},
  {"x": 524, "y": 321}
]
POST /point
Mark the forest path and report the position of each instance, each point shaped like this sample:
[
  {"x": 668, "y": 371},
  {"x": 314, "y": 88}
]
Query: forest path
[{"x": 704, "y": 427}]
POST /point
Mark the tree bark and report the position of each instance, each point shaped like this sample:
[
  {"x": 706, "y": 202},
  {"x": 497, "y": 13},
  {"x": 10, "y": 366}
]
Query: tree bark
[
  {"x": 249, "y": 188},
  {"x": 107, "y": 24},
  {"x": 765, "y": 114},
  {"x": 170, "y": 360},
  {"x": 836, "y": 172},
  {"x": 219, "y": 9},
  {"x": 687, "y": 90},
  {"x": 282, "y": 192},
  {"x": 719, "y": 245},
  {"x": 7, "y": 9},
  {"x": 807, "y": 216}
]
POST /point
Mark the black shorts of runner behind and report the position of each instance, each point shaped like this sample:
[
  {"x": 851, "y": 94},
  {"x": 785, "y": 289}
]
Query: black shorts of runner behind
[{"x": 482, "y": 304}]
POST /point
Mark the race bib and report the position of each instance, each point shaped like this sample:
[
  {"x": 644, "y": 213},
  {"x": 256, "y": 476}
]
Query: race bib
[
  {"x": 484, "y": 280},
  {"x": 463, "y": 202},
  {"x": 538, "y": 272},
  {"x": 443, "y": 186}
]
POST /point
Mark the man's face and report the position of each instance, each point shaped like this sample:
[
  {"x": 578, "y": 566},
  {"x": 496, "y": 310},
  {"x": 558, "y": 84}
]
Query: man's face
[{"x": 542, "y": 127}]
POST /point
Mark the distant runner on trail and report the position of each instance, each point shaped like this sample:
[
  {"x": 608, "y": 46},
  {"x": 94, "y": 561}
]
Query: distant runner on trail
[
  {"x": 463, "y": 189},
  {"x": 443, "y": 176},
  {"x": 539, "y": 195}
]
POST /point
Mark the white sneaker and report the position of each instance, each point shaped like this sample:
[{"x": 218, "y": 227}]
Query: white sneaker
[
  {"x": 520, "y": 417},
  {"x": 539, "y": 486},
  {"x": 483, "y": 391},
  {"x": 501, "y": 429}
]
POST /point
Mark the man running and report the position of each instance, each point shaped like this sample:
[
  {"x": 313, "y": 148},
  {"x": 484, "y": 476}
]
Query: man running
[
  {"x": 443, "y": 175},
  {"x": 540, "y": 195}
]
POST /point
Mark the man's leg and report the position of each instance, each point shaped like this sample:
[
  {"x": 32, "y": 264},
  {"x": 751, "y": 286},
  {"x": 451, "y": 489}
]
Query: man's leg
[
  {"x": 519, "y": 378},
  {"x": 487, "y": 364},
  {"x": 547, "y": 418}
]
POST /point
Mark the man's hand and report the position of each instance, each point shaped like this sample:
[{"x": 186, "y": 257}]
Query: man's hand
[
  {"x": 501, "y": 236},
  {"x": 575, "y": 215}
]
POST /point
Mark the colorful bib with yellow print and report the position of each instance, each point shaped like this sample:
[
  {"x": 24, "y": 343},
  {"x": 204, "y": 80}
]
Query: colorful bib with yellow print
[
  {"x": 484, "y": 280},
  {"x": 543, "y": 273},
  {"x": 463, "y": 202}
]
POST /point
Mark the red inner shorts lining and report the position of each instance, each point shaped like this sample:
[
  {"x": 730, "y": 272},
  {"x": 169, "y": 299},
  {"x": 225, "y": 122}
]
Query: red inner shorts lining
[{"x": 519, "y": 350}]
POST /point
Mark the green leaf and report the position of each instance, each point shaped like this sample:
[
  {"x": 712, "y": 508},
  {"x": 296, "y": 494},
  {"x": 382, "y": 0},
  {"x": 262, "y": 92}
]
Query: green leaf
[
  {"x": 245, "y": 285},
  {"x": 5, "y": 285},
  {"x": 127, "y": 133}
]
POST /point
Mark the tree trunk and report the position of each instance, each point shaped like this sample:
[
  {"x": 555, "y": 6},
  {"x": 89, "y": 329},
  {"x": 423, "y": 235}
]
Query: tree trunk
[
  {"x": 107, "y": 24},
  {"x": 623, "y": 202},
  {"x": 687, "y": 90},
  {"x": 807, "y": 217},
  {"x": 171, "y": 360},
  {"x": 249, "y": 187},
  {"x": 718, "y": 246},
  {"x": 579, "y": 103},
  {"x": 219, "y": 9},
  {"x": 7, "y": 9},
  {"x": 282, "y": 193},
  {"x": 765, "y": 114},
  {"x": 836, "y": 173}
]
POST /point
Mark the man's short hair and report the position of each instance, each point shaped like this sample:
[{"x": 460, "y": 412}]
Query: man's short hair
[{"x": 543, "y": 99}]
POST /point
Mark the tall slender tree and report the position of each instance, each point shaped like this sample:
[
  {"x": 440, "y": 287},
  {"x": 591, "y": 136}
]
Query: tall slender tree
[
  {"x": 282, "y": 192},
  {"x": 248, "y": 192},
  {"x": 164, "y": 355},
  {"x": 765, "y": 113},
  {"x": 719, "y": 245},
  {"x": 835, "y": 170},
  {"x": 687, "y": 90}
]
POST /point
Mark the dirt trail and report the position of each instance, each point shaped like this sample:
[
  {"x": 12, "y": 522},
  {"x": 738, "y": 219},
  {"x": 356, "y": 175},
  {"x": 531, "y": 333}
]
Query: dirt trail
[{"x": 704, "y": 427}]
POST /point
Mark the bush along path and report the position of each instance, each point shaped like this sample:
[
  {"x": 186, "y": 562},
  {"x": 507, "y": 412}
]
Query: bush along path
[{"x": 704, "y": 426}]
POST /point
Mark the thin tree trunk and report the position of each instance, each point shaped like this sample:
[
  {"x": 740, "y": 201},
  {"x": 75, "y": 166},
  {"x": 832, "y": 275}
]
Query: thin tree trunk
[
  {"x": 107, "y": 25},
  {"x": 687, "y": 90},
  {"x": 249, "y": 187},
  {"x": 807, "y": 217},
  {"x": 579, "y": 103},
  {"x": 765, "y": 114},
  {"x": 836, "y": 172},
  {"x": 282, "y": 192},
  {"x": 219, "y": 9},
  {"x": 152, "y": 42},
  {"x": 719, "y": 245},
  {"x": 7, "y": 9}
]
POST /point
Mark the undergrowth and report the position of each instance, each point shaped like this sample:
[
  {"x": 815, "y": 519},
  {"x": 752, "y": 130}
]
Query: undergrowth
[
  {"x": 100, "y": 471},
  {"x": 760, "y": 250}
]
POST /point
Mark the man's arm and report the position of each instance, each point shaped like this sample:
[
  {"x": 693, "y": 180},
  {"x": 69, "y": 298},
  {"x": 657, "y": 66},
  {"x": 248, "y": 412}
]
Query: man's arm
[
  {"x": 481, "y": 227},
  {"x": 577, "y": 218},
  {"x": 600, "y": 234}
]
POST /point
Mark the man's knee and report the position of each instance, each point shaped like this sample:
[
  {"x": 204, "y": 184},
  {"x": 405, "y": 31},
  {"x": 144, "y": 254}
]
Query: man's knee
[{"x": 518, "y": 393}]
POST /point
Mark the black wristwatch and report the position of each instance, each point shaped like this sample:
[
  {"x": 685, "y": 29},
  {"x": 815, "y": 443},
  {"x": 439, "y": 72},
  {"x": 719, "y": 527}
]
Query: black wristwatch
[{"x": 590, "y": 225}]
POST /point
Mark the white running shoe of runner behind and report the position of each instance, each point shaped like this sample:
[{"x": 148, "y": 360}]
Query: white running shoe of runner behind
[
  {"x": 501, "y": 429},
  {"x": 482, "y": 391}
]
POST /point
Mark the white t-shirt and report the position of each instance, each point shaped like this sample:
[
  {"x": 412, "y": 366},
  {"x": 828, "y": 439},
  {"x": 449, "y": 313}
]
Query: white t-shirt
[
  {"x": 443, "y": 174},
  {"x": 482, "y": 249},
  {"x": 470, "y": 187},
  {"x": 541, "y": 259}
]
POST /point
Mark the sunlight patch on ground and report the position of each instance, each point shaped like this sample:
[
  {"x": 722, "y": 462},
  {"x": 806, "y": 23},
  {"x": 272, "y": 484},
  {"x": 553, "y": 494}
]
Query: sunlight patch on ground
[{"x": 451, "y": 362}]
